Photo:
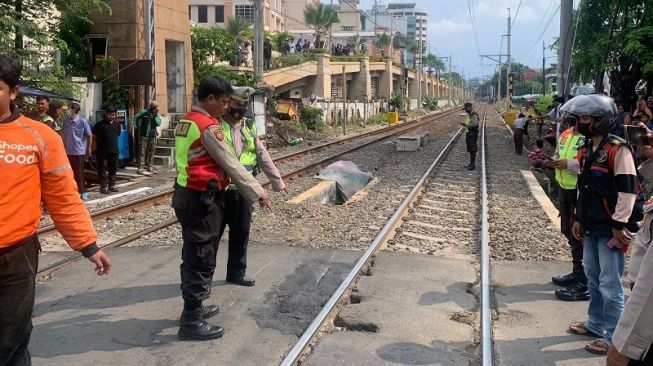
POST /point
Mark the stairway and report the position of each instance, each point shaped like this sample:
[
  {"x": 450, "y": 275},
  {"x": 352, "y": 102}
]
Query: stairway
[{"x": 164, "y": 151}]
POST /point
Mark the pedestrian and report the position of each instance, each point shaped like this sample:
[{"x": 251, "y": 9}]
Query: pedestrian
[
  {"x": 471, "y": 124},
  {"x": 556, "y": 116},
  {"x": 106, "y": 133},
  {"x": 147, "y": 122},
  {"x": 306, "y": 46},
  {"x": 537, "y": 157},
  {"x": 42, "y": 109},
  {"x": 567, "y": 167},
  {"x": 298, "y": 46},
  {"x": 642, "y": 109},
  {"x": 38, "y": 170},
  {"x": 649, "y": 102},
  {"x": 267, "y": 54},
  {"x": 633, "y": 337},
  {"x": 241, "y": 137},
  {"x": 623, "y": 118},
  {"x": 205, "y": 168},
  {"x": 539, "y": 123},
  {"x": 77, "y": 139},
  {"x": 518, "y": 135},
  {"x": 607, "y": 212}
]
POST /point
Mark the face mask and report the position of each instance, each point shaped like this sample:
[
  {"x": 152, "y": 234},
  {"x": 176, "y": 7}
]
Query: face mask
[
  {"x": 584, "y": 129},
  {"x": 236, "y": 113}
]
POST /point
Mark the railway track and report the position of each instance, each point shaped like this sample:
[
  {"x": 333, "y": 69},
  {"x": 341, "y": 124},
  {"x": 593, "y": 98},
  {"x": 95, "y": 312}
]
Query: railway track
[
  {"x": 164, "y": 196},
  {"x": 448, "y": 206}
]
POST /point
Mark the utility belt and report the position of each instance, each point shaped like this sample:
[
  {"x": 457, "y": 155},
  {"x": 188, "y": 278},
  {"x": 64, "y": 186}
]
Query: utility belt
[
  {"x": 254, "y": 169},
  {"x": 207, "y": 197}
]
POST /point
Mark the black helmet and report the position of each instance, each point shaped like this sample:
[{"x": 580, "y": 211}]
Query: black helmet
[{"x": 599, "y": 106}]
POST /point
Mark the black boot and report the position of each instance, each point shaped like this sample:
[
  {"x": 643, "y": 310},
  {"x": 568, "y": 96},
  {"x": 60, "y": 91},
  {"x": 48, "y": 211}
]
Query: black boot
[
  {"x": 207, "y": 311},
  {"x": 471, "y": 166},
  {"x": 242, "y": 281},
  {"x": 566, "y": 280},
  {"x": 193, "y": 327},
  {"x": 577, "y": 292},
  {"x": 103, "y": 189},
  {"x": 113, "y": 189}
]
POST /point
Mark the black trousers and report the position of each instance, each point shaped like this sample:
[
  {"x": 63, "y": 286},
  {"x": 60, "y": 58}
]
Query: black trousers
[
  {"x": 647, "y": 361},
  {"x": 200, "y": 224},
  {"x": 238, "y": 215},
  {"x": 471, "y": 140},
  {"x": 567, "y": 199},
  {"x": 77, "y": 164},
  {"x": 107, "y": 162},
  {"x": 17, "y": 275}
]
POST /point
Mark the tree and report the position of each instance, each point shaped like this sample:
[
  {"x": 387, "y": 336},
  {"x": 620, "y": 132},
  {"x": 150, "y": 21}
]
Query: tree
[
  {"x": 357, "y": 44},
  {"x": 279, "y": 38},
  {"x": 320, "y": 17},
  {"x": 30, "y": 32},
  {"x": 433, "y": 63},
  {"x": 383, "y": 40},
  {"x": 237, "y": 28},
  {"x": 615, "y": 37}
]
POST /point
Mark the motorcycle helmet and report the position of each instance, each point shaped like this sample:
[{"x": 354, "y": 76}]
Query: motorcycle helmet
[{"x": 599, "y": 106}]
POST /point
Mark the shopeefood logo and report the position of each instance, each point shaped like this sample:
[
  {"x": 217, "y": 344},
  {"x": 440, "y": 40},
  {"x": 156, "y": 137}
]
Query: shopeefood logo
[{"x": 17, "y": 153}]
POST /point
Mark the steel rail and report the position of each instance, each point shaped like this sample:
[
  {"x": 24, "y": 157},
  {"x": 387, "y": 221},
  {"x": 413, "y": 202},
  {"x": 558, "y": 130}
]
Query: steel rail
[
  {"x": 295, "y": 353},
  {"x": 486, "y": 309},
  {"x": 118, "y": 243}
]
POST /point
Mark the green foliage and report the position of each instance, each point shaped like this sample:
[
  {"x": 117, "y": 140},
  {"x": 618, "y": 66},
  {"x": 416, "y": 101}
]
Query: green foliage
[
  {"x": 235, "y": 78},
  {"x": 383, "y": 40},
  {"x": 312, "y": 118},
  {"x": 320, "y": 17},
  {"x": 543, "y": 103},
  {"x": 239, "y": 29},
  {"x": 75, "y": 22},
  {"x": 112, "y": 93},
  {"x": 429, "y": 103},
  {"x": 30, "y": 32},
  {"x": 433, "y": 63},
  {"x": 317, "y": 50},
  {"x": 377, "y": 119},
  {"x": 279, "y": 38},
  {"x": 291, "y": 60},
  {"x": 209, "y": 42},
  {"x": 395, "y": 102}
]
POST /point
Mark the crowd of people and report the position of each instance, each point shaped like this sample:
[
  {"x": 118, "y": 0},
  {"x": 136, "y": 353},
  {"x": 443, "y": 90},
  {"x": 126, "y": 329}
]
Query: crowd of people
[{"x": 603, "y": 212}]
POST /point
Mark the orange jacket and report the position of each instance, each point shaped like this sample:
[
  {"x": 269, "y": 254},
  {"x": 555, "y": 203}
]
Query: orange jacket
[{"x": 34, "y": 167}]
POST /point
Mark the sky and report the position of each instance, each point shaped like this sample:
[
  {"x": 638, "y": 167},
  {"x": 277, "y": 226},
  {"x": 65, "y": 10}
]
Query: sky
[{"x": 450, "y": 31}]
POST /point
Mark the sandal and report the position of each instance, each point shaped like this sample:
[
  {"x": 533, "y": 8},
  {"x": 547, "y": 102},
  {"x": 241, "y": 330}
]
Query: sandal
[
  {"x": 580, "y": 329},
  {"x": 597, "y": 347}
]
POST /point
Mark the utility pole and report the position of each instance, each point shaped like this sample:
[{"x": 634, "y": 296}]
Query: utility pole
[
  {"x": 508, "y": 77},
  {"x": 344, "y": 101},
  {"x": 330, "y": 33},
  {"x": 543, "y": 69},
  {"x": 258, "y": 38},
  {"x": 450, "y": 81},
  {"x": 462, "y": 84},
  {"x": 419, "y": 70},
  {"x": 564, "y": 54},
  {"x": 376, "y": 11},
  {"x": 500, "y": 72}
]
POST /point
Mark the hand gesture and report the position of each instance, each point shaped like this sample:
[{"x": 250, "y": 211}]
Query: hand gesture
[
  {"x": 264, "y": 200},
  {"x": 559, "y": 164},
  {"x": 576, "y": 231},
  {"x": 102, "y": 262},
  {"x": 623, "y": 237}
]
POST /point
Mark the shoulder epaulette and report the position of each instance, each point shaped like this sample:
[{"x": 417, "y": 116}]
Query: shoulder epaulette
[{"x": 616, "y": 140}]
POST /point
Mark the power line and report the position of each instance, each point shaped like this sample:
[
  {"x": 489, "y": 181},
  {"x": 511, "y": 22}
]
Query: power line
[
  {"x": 474, "y": 31},
  {"x": 542, "y": 34},
  {"x": 540, "y": 23},
  {"x": 516, "y": 13}
]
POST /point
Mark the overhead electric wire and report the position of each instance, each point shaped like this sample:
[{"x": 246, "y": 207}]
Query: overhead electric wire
[
  {"x": 473, "y": 21},
  {"x": 530, "y": 43},
  {"x": 528, "y": 56},
  {"x": 516, "y": 14}
]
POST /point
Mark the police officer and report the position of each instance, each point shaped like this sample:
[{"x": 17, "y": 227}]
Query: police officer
[
  {"x": 608, "y": 209},
  {"x": 205, "y": 168},
  {"x": 567, "y": 167},
  {"x": 471, "y": 134},
  {"x": 240, "y": 135}
]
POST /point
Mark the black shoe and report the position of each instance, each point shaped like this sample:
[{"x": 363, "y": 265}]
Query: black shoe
[
  {"x": 471, "y": 167},
  {"x": 578, "y": 292},
  {"x": 243, "y": 281},
  {"x": 193, "y": 327},
  {"x": 566, "y": 280},
  {"x": 114, "y": 189},
  {"x": 104, "y": 190},
  {"x": 208, "y": 311}
]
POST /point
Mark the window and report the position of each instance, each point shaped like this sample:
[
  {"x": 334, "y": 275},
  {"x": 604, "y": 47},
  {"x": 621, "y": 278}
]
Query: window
[
  {"x": 189, "y": 13},
  {"x": 202, "y": 14},
  {"x": 245, "y": 12},
  {"x": 348, "y": 28},
  {"x": 219, "y": 13}
]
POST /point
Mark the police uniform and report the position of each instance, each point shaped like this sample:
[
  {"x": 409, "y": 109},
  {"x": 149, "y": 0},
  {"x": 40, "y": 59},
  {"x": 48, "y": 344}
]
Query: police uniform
[
  {"x": 471, "y": 137},
  {"x": 569, "y": 144},
  {"x": 241, "y": 137},
  {"x": 205, "y": 169}
]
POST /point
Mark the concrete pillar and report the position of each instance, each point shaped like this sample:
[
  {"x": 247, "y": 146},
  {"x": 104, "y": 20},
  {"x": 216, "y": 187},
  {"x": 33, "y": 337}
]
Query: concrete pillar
[
  {"x": 425, "y": 87},
  {"x": 322, "y": 86},
  {"x": 361, "y": 89},
  {"x": 385, "y": 82},
  {"x": 413, "y": 86}
]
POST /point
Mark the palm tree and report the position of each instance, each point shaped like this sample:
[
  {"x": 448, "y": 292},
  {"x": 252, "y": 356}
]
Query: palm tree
[
  {"x": 320, "y": 17},
  {"x": 433, "y": 63},
  {"x": 236, "y": 27},
  {"x": 383, "y": 40},
  {"x": 412, "y": 46},
  {"x": 357, "y": 44}
]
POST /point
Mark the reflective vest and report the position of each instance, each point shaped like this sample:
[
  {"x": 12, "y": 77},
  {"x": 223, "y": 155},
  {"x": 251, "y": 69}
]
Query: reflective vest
[
  {"x": 196, "y": 169},
  {"x": 247, "y": 156},
  {"x": 468, "y": 121},
  {"x": 569, "y": 145}
]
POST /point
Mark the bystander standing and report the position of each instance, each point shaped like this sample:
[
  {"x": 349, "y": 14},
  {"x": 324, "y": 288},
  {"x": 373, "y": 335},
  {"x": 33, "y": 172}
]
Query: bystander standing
[
  {"x": 106, "y": 133},
  {"x": 77, "y": 138}
]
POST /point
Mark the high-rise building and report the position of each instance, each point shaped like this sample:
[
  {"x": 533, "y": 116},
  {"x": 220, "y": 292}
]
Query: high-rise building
[
  {"x": 349, "y": 16},
  {"x": 403, "y": 17},
  {"x": 210, "y": 13},
  {"x": 294, "y": 14}
]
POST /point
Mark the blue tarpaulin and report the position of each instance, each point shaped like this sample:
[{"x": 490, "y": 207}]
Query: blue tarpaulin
[{"x": 32, "y": 91}]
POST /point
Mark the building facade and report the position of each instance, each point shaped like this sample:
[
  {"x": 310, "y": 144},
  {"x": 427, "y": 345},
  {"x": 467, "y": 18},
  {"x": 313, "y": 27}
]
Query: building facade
[
  {"x": 211, "y": 13},
  {"x": 294, "y": 14},
  {"x": 349, "y": 16},
  {"x": 124, "y": 35}
]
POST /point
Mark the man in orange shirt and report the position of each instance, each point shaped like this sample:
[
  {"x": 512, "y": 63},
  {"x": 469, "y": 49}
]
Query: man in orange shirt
[{"x": 34, "y": 167}]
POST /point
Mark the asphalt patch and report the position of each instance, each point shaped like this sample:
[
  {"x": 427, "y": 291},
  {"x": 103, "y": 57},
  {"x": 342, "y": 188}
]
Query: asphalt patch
[{"x": 291, "y": 306}]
